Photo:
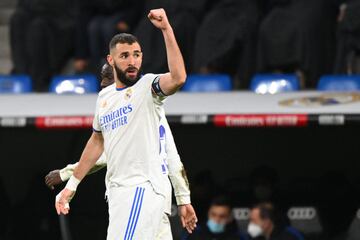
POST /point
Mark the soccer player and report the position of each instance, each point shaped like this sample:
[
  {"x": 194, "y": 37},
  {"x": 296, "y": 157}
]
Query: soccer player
[
  {"x": 125, "y": 126},
  {"x": 173, "y": 167}
]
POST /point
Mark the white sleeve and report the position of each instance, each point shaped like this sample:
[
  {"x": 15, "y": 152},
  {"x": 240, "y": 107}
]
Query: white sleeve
[
  {"x": 177, "y": 172},
  {"x": 68, "y": 171},
  {"x": 96, "y": 123},
  {"x": 151, "y": 84}
]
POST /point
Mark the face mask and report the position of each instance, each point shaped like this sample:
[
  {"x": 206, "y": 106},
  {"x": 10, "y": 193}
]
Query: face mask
[
  {"x": 254, "y": 230},
  {"x": 215, "y": 227}
]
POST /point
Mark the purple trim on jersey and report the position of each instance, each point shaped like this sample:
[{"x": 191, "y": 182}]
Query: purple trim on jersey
[{"x": 96, "y": 130}]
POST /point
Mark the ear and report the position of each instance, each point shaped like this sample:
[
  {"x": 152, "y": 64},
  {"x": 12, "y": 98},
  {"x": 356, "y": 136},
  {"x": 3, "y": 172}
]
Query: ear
[{"x": 110, "y": 60}]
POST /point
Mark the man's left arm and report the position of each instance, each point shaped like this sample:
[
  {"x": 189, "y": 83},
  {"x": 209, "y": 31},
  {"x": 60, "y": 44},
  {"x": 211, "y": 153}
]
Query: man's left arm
[
  {"x": 176, "y": 168},
  {"x": 179, "y": 182},
  {"x": 170, "y": 82}
]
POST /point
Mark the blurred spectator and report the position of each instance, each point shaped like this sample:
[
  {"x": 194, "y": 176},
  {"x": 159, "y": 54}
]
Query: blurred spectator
[
  {"x": 263, "y": 181},
  {"x": 203, "y": 188},
  {"x": 298, "y": 36},
  {"x": 184, "y": 16},
  {"x": 220, "y": 224},
  {"x": 97, "y": 21},
  {"x": 266, "y": 222},
  {"x": 41, "y": 38},
  {"x": 348, "y": 38},
  {"x": 226, "y": 40}
]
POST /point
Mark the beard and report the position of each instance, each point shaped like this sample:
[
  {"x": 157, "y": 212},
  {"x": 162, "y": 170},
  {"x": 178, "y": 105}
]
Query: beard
[{"x": 127, "y": 81}]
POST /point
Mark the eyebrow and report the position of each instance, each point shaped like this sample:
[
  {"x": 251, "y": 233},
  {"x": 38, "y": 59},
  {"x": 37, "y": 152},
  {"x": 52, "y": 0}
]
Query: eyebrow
[{"x": 127, "y": 52}]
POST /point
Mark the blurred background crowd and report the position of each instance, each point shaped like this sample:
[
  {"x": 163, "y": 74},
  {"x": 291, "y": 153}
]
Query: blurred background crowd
[{"x": 236, "y": 37}]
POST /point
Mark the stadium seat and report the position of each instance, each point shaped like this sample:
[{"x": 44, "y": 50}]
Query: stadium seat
[
  {"x": 354, "y": 230},
  {"x": 15, "y": 84},
  {"x": 339, "y": 83},
  {"x": 306, "y": 220},
  {"x": 77, "y": 84},
  {"x": 208, "y": 83},
  {"x": 274, "y": 83}
]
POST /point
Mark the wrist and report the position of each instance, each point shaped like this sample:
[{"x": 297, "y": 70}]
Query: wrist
[
  {"x": 167, "y": 29},
  {"x": 183, "y": 200},
  {"x": 64, "y": 175},
  {"x": 72, "y": 184}
]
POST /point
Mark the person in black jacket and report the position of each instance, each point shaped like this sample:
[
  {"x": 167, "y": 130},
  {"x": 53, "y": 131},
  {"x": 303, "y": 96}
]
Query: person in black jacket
[
  {"x": 97, "y": 21},
  {"x": 298, "y": 36},
  {"x": 185, "y": 16},
  {"x": 220, "y": 224},
  {"x": 41, "y": 38},
  {"x": 348, "y": 38},
  {"x": 225, "y": 41},
  {"x": 266, "y": 223}
]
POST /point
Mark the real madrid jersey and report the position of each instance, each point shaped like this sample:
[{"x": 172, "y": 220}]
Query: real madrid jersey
[{"x": 128, "y": 119}]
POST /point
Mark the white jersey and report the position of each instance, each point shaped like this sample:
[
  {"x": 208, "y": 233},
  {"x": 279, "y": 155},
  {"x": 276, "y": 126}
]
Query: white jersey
[{"x": 128, "y": 119}]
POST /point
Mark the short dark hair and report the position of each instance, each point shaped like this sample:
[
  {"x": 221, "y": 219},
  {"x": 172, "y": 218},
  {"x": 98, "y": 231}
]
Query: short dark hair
[
  {"x": 106, "y": 72},
  {"x": 106, "y": 75},
  {"x": 221, "y": 201},
  {"x": 122, "y": 38}
]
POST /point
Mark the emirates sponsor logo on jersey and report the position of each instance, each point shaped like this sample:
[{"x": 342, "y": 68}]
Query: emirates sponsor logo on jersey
[{"x": 115, "y": 119}]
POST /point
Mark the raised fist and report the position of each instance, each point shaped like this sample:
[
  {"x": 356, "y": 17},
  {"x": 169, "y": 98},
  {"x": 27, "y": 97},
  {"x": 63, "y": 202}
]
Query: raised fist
[{"x": 159, "y": 19}]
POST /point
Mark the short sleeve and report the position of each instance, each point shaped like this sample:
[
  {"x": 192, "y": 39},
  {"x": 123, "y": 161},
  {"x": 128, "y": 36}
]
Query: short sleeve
[{"x": 158, "y": 95}]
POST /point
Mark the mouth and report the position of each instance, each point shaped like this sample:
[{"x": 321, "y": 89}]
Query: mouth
[{"x": 132, "y": 72}]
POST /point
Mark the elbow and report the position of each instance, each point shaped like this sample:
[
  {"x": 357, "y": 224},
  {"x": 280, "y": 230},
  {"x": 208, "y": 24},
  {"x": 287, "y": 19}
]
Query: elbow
[{"x": 181, "y": 80}]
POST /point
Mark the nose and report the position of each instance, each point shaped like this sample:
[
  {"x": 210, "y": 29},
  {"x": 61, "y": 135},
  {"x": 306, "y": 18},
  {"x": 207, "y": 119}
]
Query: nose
[{"x": 131, "y": 61}]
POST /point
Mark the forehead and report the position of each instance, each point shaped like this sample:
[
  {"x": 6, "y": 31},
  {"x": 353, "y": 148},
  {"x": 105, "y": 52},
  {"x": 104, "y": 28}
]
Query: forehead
[
  {"x": 124, "y": 47},
  {"x": 219, "y": 209}
]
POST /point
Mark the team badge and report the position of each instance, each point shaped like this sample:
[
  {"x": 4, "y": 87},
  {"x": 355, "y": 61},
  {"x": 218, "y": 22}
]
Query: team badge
[
  {"x": 328, "y": 99},
  {"x": 128, "y": 94}
]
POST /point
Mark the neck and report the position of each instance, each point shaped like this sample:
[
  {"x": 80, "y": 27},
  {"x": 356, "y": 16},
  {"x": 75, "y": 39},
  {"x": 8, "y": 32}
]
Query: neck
[
  {"x": 268, "y": 232},
  {"x": 119, "y": 84}
]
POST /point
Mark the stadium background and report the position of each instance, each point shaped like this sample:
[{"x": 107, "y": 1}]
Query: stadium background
[{"x": 310, "y": 165}]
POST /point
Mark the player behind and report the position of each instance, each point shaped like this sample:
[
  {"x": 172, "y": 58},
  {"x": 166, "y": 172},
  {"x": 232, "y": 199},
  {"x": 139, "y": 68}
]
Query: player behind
[{"x": 125, "y": 125}]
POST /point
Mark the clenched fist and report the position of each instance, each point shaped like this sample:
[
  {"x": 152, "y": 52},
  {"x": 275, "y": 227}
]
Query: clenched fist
[
  {"x": 159, "y": 19},
  {"x": 53, "y": 178}
]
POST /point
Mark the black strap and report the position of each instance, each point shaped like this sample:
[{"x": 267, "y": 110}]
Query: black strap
[{"x": 156, "y": 87}]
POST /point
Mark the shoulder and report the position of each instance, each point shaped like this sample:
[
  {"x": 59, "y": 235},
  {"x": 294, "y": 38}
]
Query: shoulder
[
  {"x": 148, "y": 79},
  {"x": 106, "y": 91},
  {"x": 149, "y": 76}
]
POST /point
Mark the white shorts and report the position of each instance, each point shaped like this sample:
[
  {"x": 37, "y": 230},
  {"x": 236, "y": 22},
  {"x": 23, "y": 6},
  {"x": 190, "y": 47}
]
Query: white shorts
[
  {"x": 164, "y": 232},
  {"x": 135, "y": 213}
]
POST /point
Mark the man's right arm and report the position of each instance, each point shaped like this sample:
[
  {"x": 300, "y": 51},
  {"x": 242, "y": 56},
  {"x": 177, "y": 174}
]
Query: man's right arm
[{"x": 92, "y": 151}]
